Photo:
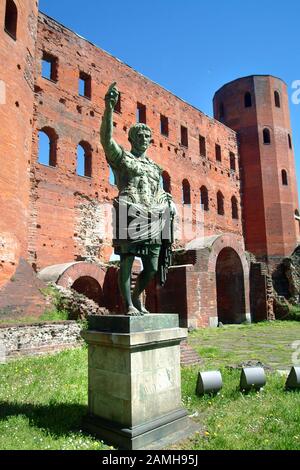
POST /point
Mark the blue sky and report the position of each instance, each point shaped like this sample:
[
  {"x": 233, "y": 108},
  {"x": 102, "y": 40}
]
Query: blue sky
[{"x": 193, "y": 47}]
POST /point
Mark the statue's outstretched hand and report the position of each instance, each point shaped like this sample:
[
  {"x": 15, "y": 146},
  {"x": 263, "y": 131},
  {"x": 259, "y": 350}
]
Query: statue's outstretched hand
[{"x": 112, "y": 96}]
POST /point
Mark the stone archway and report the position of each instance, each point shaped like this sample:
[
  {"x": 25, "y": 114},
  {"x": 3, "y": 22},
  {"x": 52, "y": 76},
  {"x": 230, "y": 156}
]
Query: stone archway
[{"x": 230, "y": 287}]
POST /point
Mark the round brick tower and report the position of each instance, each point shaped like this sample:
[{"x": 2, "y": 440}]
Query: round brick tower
[
  {"x": 18, "y": 20},
  {"x": 257, "y": 108}
]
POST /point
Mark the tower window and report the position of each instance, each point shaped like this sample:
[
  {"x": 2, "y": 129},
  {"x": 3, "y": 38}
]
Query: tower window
[
  {"x": 202, "y": 145},
  {"x": 218, "y": 153},
  {"x": 248, "y": 100},
  {"x": 284, "y": 177},
  {"x": 49, "y": 67},
  {"x": 164, "y": 125},
  {"x": 267, "y": 136},
  {"x": 112, "y": 179},
  {"x": 186, "y": 192},
  {"x": 220, "y": 203},
  {"x": 84, "y": 159},
  {"x": 11, "y": 19},
  {"x": 277, "y": 99},
  {"x": 141, "y": 113},
  {"x": 221, "y": 111},
  {"x": 232, "y": 161},
  {"x": 184, "y": 136},
  {"x": 290, "y": 141},
  {"x": 47, "y": 147},
  {"x": 234, "y": 208},
  {"x": 85, "y": 85},
  {"x": 204, "y": 198}
]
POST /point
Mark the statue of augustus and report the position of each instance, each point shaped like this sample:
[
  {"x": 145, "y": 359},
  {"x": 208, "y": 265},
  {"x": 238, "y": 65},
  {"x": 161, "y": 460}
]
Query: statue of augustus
[{"x": 143, "y": 210}]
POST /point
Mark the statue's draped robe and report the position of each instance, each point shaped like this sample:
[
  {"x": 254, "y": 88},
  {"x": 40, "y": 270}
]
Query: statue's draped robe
[{"x": 142, "y": 219}]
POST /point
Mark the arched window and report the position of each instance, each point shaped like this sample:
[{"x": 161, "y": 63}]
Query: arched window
[
  {"x": 267, "y": 136},
  {"x": 166, "y": 181},
  {"x": 204, "y": 198},
  {"x": 186, "y": 192},
  {"x": 47, "y": 147},
  {"x": 290, "y": 141},
  {"x": 220, "y": 203},
  {"x": 232, "y": 161},
  {"x": 248, "y": 100},
  {"x": 11, "y": 19},
  {"x": 284, "y": 177},
  {"x": 112, "y": 179},
  {"x": 84, "y": 159},
  {"x": 234, "y": 208},
  {"x": 277, "y": 99}
]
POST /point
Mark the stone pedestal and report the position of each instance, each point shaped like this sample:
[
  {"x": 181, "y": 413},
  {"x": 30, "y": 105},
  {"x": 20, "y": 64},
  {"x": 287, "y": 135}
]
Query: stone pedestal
[{"x": 134, "y": 381}]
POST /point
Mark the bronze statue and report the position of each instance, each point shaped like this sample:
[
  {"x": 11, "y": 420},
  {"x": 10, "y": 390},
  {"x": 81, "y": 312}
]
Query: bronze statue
[{"x": 143, "y": 210}]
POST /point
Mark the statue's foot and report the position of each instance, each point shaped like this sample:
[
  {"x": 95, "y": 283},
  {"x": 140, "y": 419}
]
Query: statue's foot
[
  {"x": 138, "y": 304},
  {"x": 133, "y": 312}
]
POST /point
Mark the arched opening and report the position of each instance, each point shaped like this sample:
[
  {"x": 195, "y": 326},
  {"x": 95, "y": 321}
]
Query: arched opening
[
  {"x": 248, "y": 100},
  {"x": 47, "y": 147},
  {"x": 11, "y": 19},
  {"x": 267, "y": 136},
  {"x": 284, "y": 177},
  {"x": 234, "y": 208},
  {"x": 89, "y": 287},
  {"x": 112, "y": 178},
  {"x": 186, "y": 192},
  {"x": 84, "y": 159},
  {"x": 232, "y": 161},
  {"x": 230, "y": 287},
  {"x": 290, "y": 141},
  {"x": 166, "y": 181},
  {"x": 220, "y": 203},
  {"x": 277, "y": 99},
  {"x": 204, "y": 198}
]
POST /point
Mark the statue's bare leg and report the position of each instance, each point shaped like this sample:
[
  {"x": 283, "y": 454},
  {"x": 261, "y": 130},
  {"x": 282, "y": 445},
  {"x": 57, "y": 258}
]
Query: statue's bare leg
[
  {"x": 150, "y": 266},
  {"x": 125, "y": 284}
]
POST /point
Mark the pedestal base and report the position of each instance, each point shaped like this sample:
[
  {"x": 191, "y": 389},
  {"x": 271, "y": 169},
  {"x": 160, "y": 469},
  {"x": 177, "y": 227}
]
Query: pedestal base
[
  {"x": 134, "y": 381},
  {"x": 156, "y": 435}
]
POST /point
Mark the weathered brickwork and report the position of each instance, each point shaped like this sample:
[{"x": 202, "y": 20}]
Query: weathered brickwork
[
  {"x": 17, "y": 59},
  {"x": 240, "y": 165},
  {"x": 37, "y": 339},
  {"x": 269, "y": 202}
]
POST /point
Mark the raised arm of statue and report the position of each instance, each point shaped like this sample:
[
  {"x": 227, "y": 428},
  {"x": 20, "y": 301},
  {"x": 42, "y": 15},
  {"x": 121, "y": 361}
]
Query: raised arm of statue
[{"x": 112, "y": 150}]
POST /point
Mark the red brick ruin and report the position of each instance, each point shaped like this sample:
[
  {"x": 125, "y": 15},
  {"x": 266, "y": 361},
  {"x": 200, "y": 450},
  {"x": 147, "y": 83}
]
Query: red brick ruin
[{"x": 239, "y": 165}]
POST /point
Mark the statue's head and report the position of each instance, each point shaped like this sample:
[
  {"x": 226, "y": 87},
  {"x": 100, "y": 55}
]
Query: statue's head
[{"x": 140, "y": 137}]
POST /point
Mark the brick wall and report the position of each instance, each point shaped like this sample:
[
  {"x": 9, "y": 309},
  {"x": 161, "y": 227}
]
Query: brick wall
[
  {"x": 37, "y": 339},
  {"x": 269, "y": 205},
  {"x": 59, "y": 194}
]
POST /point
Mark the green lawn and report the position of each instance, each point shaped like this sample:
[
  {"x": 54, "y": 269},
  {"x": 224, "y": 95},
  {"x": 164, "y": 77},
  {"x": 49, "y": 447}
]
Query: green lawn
[{"x": 42, "y": 400}]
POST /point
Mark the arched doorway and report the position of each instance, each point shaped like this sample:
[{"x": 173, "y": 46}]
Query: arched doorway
[
  {"x": 230, "y": 287},
  {"x": 89, "y": 287}
]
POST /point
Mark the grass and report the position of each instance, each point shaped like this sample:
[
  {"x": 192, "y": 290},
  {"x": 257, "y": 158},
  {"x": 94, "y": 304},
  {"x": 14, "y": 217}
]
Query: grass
[{"x": 43, "y": 400}]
